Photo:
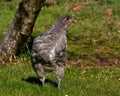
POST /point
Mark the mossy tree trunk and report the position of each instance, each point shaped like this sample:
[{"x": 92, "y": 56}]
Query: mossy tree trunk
[{"x": 20, "y": 28}]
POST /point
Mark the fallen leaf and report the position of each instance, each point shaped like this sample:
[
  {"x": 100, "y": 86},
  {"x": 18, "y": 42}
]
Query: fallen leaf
[
  {"x": 108, "y": 12},
  {"x": 77, "y": 6}
]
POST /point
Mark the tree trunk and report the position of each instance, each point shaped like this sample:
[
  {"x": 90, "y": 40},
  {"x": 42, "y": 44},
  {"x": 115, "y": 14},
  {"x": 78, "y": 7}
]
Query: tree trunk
[{"x": 20, "y": 28}]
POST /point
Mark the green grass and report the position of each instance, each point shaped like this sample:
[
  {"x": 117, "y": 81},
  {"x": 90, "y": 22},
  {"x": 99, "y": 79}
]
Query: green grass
[
  {"x": 92, "y": 41},
  {"x": 98, "y": 81}
]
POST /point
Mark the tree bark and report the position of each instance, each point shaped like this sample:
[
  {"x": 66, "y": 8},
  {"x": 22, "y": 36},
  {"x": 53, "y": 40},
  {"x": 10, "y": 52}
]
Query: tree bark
[{"x": 20, "y": 28}]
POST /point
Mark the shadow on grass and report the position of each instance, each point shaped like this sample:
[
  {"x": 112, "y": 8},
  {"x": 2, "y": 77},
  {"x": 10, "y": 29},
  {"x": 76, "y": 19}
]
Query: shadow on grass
[{"x": 33, "y": 80}]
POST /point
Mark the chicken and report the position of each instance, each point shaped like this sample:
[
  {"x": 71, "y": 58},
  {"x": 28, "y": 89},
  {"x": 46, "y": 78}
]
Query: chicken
[{"x": 49, "y": 50}]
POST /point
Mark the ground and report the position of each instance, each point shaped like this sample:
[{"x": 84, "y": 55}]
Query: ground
[{"x": 93, "y": 51}]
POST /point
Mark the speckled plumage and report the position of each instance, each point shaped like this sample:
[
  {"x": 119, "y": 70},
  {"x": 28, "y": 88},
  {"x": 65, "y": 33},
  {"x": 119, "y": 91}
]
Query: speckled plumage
[{"x": 49, "y": 50}]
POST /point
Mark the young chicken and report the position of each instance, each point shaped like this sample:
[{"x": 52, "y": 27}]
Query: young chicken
[{"x": 49, "y": 50}]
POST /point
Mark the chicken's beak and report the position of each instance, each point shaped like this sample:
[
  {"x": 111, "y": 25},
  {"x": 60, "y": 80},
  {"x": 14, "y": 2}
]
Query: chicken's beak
[{"x": 73, "y": 20}]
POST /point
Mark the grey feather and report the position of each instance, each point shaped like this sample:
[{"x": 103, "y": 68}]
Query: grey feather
[{"x": 49, "y": 50}]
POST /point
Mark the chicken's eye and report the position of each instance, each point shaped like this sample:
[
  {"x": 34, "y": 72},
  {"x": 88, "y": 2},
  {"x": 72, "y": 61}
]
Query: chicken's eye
[{"x": 67, "y": 18}]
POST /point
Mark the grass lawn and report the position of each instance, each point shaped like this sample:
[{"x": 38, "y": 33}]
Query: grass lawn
[
  {"x": 93, "y": 51},
  {"x": 93, "y": 40},
  {"x": 20, "y": 80}
]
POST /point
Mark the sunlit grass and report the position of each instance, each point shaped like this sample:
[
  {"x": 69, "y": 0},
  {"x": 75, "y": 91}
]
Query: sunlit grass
[
  {"x": 98, "y": 81},
  {"x": 95, "y": 32},
  {"x": 93, "y": 40}
]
